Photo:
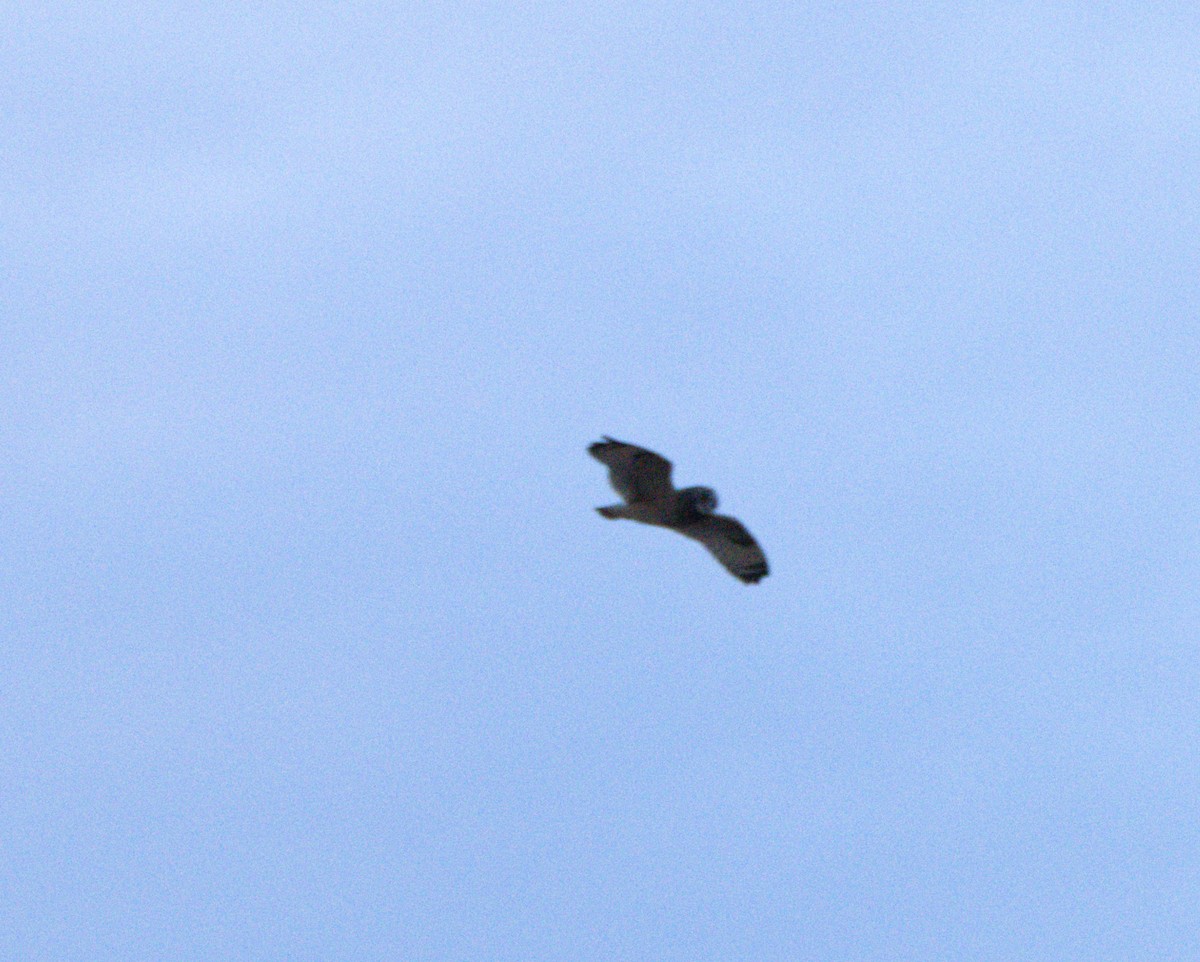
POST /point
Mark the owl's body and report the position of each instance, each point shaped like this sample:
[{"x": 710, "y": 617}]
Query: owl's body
[{"x": 643, "y": 479}]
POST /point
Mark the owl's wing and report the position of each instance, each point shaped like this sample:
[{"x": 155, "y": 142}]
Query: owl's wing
[
  {"x": 636, "y": 473},
  {"x": 731, "y": 544}
]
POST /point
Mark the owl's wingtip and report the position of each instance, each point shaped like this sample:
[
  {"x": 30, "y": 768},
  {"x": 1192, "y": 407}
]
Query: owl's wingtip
[{"x": 754, "y": 575}]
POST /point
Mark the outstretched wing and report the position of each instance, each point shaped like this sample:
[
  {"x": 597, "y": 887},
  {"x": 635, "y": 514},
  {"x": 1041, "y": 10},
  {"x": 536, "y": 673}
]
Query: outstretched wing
[
  {"x": 731, "y": 544},
  {"x": 637, "y": 474}
]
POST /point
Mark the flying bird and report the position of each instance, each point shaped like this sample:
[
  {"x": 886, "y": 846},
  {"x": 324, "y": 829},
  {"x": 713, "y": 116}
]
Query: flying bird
[{"x": 643, "y": 479}]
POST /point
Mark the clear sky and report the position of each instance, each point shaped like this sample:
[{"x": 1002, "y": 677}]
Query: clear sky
[{"x": 311, "y": 644}]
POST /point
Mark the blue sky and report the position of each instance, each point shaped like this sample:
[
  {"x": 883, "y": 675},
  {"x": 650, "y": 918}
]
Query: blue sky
[{"x": 314, "y": 647}]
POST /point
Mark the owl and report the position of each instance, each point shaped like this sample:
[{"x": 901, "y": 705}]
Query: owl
[{"x": 643, "y": 479}]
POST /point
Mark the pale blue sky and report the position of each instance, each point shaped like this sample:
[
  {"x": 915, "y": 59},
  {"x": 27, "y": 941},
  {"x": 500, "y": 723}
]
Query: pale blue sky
[{"x": 314, "y": 648}]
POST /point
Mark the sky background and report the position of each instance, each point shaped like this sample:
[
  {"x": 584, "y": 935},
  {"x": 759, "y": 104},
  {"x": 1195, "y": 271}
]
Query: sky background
[{"x": 313, "y": 647}]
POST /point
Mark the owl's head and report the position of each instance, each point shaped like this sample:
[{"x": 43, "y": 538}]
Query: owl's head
[{"x": 699, "y": 500}]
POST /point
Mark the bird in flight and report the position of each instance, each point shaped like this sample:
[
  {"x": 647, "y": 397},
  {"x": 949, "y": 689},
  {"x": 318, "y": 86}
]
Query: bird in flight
[{"x": 643, "y": 479}]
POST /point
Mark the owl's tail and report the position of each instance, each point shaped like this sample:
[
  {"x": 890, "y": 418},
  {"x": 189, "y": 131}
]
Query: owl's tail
[{"x": 613, "y": 511}]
